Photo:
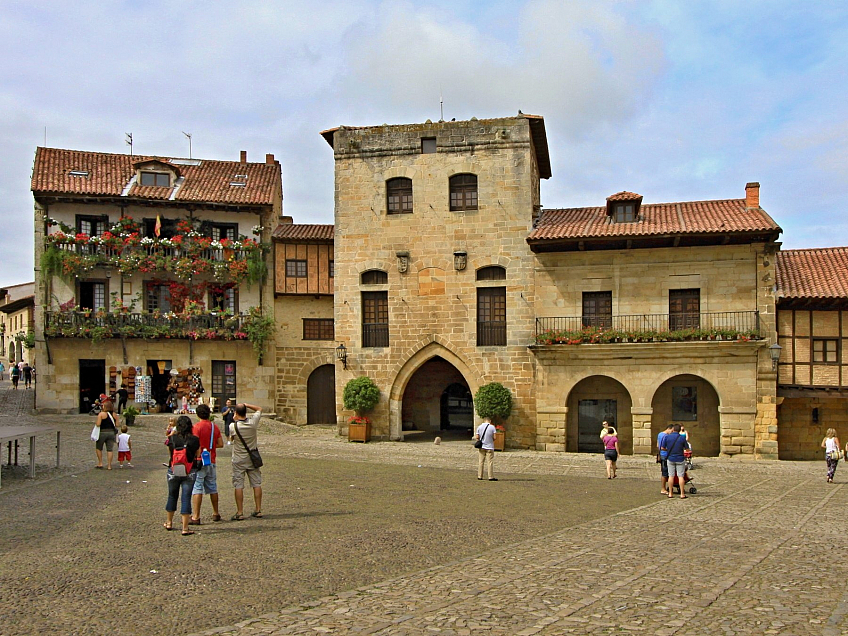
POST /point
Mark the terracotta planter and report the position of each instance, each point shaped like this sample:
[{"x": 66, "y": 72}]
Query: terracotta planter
[
  {"x": 500, "y": 439},
  {"x": 358, "y": 432}
]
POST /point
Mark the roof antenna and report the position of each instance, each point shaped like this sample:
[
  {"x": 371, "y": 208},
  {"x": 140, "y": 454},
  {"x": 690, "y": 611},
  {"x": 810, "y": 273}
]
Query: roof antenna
[
  {"x": 188, "y": 136},
  {"x": 129, "y": 142},
  {"x": 441, "y": 106}
]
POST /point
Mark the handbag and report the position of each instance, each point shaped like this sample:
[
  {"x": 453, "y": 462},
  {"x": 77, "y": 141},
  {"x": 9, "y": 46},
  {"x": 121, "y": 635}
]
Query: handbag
[
  {"x": 255, "y": 457},
  {"x": 479, "y": 442},
  {"x": 95, "y": 433},
  {"x": 836, "y": 455}
]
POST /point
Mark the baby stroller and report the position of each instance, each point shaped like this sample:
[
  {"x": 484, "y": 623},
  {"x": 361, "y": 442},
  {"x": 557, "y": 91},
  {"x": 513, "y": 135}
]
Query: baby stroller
[
  {"x": 687, "y": 455},
  {"x": 675, "y": 482}
]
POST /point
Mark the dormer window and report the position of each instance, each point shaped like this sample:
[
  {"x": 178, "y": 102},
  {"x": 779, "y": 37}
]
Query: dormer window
[
  {"x": 159, "y": 179},
  {"x": 623, "y": 207},
  {"x": 624, "y": 213}
]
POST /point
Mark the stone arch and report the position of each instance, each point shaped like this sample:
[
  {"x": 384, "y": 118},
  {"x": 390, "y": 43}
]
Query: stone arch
[
  {"x": 705, "y": 429},
  {"x": 424, "y": 351},
  {"x": 291, "y": 398},
  {"x": 674, "y": 372},
  {"x": 476, "y": 263},
  {"x": 594, "y": 398},
  {"x": 364, "y": 266}
]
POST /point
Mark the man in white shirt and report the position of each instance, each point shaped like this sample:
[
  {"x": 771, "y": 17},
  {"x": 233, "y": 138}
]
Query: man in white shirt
[
  {"x": 243, "y": 434},
  {"x": 486, "y": 454}
]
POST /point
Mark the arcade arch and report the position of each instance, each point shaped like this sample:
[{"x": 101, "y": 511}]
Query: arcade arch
[
  {"x": 590, "y": 402},
  {"x": 693, "y": 402}
]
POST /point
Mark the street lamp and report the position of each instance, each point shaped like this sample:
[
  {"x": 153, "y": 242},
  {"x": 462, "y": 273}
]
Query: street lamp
[
  {"x": 341, "y": 354},
  {"x": 774, "y": 352}
]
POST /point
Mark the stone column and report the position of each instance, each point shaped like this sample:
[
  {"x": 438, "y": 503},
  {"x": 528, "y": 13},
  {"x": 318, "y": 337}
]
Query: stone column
[
  {"x": 550, "y": 428},
  {"x": 642, "y": 442}
]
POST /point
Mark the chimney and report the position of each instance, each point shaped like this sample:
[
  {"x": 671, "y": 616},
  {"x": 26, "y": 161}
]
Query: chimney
[
  {"x": 269, "y": 159},
  {"x": 243, "y": 158},
  {"x": 752, "y": 195},
  {"x": 286, "y": 220}
]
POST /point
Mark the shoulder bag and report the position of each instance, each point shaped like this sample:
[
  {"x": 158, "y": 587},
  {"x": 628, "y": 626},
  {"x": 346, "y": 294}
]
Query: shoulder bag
[
  {"x": 479, "y": 442},
  {"x": 255, "y": 457}
]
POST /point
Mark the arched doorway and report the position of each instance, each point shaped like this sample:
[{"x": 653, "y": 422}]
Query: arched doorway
[
  {"x": 590, "y": 402},
  {"x": 321, "y": 395},
  {"x": 693, "y": 402},
  {"x": 436, "y": 401}
]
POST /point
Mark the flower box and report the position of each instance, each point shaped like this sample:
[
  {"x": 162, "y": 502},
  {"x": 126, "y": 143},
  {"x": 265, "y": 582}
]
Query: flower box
[
  {"x": 500, "y": 439},
  {"x": 359, "y": 432}
]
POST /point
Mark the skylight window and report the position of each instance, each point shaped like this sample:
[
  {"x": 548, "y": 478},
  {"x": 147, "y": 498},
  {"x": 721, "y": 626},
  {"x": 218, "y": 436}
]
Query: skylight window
[
  {"x": 78, "y": 173},
  {"x": 238, "y": 184}
]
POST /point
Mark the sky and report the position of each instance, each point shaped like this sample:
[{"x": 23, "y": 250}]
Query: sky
[{"x": 678, "y": 100}]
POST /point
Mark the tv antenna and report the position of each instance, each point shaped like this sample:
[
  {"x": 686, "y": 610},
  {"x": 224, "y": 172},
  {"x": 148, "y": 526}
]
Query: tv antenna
[
  {"x": 188, "y": 136},
  {"x": 129, "y": 141}
]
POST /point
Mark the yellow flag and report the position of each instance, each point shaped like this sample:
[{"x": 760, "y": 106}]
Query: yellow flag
[{"x": 158, "y": 227}]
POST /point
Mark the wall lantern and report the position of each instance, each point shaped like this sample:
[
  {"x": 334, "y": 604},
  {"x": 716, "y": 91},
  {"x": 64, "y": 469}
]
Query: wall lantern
[
  {"x": 341, "y": 354},
  {"x": 774, "y": 351},
  {"x": 403, "y": 262},
  {"x": 460, "y": 261}
]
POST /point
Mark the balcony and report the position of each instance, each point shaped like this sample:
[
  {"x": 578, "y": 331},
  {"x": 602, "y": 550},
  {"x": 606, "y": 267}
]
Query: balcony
[
  {"x": 100, "y": 325},
  {"x": 598, "y": 329},
  {"x": 107, "y": 253}
]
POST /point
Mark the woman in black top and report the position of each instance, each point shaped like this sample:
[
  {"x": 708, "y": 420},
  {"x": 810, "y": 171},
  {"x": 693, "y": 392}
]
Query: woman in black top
[
  {"x": 180, "y": 438},
  {"x": 108, "y": 423}
]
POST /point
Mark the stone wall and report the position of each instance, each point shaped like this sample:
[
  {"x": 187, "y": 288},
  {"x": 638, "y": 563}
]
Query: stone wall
[{"x": 800, "y": 435}]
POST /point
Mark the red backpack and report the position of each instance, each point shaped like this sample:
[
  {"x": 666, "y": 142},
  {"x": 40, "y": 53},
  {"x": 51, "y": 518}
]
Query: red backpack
[{"x": 180, "y": 465}]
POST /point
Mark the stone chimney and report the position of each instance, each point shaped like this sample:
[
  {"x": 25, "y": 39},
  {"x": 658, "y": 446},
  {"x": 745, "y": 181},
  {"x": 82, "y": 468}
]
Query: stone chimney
[
  {"x": 286, "y": 220},
  {"x": 269, "y": 159},
  {"x": 752, "y": 195},
  {"x": 243, "y": 157}
]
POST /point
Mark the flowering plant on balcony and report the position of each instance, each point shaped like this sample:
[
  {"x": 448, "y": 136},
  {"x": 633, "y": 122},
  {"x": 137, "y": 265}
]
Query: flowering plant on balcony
[{"x": 358, "y": 419}]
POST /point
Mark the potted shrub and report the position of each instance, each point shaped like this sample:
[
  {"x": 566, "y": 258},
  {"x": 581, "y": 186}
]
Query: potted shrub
[
  {"x": 494, "y": 401},
  {"x": 130, "y": 414},
  {"x": 360, "y": 395}
]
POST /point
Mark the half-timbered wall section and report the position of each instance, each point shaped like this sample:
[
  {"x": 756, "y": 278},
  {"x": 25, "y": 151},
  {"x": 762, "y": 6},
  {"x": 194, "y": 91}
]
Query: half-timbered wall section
[
  {"x": 303, "y": 259},
  {"x": 814, "y": 352}
]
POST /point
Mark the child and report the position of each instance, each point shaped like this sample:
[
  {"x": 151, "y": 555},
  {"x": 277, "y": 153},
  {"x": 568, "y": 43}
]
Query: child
[
  {"x": 172, "y": 426},
  {"x": 124, "y": 448}
]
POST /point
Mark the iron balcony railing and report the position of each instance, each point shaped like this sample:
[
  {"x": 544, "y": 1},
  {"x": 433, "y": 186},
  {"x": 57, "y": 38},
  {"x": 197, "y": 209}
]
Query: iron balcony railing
[
  {"x": 100, "y": 324},
  {"x": 107, "y": 252},
  {"x": 634, "y": 327},
  {"x": 375, "y": 334}
]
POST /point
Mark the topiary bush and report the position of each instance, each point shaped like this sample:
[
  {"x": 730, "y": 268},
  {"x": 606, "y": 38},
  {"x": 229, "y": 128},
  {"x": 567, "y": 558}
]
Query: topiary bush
[
  {"x": 361, "y": 394},
  {"x": 493, "y": 400}
]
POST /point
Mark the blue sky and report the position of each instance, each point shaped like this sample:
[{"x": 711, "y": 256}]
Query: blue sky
[{"x": 676, "y": 100}]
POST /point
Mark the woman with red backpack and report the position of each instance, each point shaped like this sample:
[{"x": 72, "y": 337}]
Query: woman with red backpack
[{"x": 184, "y": 448}]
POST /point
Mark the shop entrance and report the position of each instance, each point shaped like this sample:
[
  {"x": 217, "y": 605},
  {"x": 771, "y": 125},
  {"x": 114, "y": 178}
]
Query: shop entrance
[
  {"x": 160, "y": 376},
  {"x": 92, "y": 382},
  {"x": 223, "y": 381}
]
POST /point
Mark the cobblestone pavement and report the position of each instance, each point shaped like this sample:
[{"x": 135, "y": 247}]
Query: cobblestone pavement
[{"x": 758, "y": 550}]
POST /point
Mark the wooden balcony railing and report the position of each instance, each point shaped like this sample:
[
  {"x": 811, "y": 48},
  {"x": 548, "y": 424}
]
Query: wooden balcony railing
[
  {"x": 98, "y": 325},
  {"x": 110, "y": 252}
]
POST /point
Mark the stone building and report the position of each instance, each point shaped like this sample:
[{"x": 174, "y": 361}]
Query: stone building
[
  {"x": 152, "y": 267},
  {"x": 812, "y": 327},
  {"x": 17, "y": 321}
]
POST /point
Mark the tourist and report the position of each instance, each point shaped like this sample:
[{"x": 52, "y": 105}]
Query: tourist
[
  {"x": 228, "y": 412},
  {"x": 243, "y": 434},
  {"x": 206, "y": 482},
  {"x": 181, "y": 438},
  {"x": 123, "y": 396},
  {"x": 108, "y": 424},
  {"x": 2, "y": 370},
  {"x": 14, "y": 375},
  {"x": 674, "y": 443},
  {"x": 27, "y": 374},
  {"x": 486, "y": 453},
  {"x": 831, "y": 447},
  {"x": 611, "y": 451},
  {"x": 124, "y": 448},
  {"x": 662, "y": 458}
]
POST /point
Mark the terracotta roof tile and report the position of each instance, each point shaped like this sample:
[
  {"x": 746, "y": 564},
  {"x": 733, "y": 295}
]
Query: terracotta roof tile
[
  {"x": 624, "y": 196},
  {"x": 693, "y": 217},
  {"x": 812, "y": 273},
  {"x": 110, "y": 174},
  {"x": 303, "y": 232}
]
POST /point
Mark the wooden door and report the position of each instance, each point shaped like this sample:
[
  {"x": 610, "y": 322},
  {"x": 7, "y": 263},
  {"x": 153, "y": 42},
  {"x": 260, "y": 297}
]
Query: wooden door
[{"x": 321, "y": 395}]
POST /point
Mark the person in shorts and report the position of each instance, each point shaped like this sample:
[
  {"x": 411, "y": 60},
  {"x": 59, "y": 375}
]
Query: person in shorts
[
  {"x": 675, "y": 444},
  {"x": 124, "y": 448},
  {"x": 245, "y": 429},
  {"x": 663, "y": 457},
  {"x": 206, "y": 482}
]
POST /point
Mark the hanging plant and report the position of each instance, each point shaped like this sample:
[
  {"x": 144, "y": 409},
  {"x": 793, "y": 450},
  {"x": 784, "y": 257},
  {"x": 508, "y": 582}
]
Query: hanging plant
[{"x": 259, "y": 329}]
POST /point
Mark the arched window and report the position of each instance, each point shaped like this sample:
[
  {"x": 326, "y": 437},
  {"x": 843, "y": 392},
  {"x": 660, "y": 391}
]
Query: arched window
[
  {"x": 374, "y": 277},
  {"x": 493, "y": 272},
  {"x": 463, "y": 192},
  {"x": 399, "y": 195}
]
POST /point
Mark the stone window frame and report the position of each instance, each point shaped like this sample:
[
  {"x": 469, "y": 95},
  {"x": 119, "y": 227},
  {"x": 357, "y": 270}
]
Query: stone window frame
[
  {"x": 491, "y": 303},
  {"x": 374, "y": 276},
  {"x": 399, "y": 197},
  {"x": 491, "y": 272},
  {"x": 463, "y": 192},
  {"x": 375, "y": 319}
]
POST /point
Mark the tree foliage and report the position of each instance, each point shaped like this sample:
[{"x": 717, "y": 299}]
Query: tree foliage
[
  {"x": 361, "y": 394},
  {"x": 493, "y": 400}
]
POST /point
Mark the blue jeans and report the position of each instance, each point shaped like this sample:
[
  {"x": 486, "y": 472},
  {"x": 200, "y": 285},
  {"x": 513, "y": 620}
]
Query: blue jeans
[
  {"x": 207, "y": 480},
  {"x": 175, "y": 485}
]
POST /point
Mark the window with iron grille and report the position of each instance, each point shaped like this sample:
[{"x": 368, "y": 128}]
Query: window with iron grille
[
  {"x": 399, "y": 195},
  {"x": 463, "y": 192},
  {"x": 597, "y": 309},
  {"x": 825, "y": 350},
  {"x": 491, "y": 316},
  {"x": 684, "y": 309},
  {"x": 318, "y": 329},
  {"x": 374, "y": 277},
  {"x": 493, "y": 272},
  {"x": 375, "y": 319},
  {"x": 295, "y": 268}
]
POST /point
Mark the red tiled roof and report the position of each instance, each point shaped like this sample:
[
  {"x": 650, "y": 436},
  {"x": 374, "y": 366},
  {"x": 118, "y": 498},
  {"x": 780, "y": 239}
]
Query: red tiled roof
[
  {"x": 692, "y": 217},
  {"x": 110, "y": 174},
  {"x": 624, "y": 196},
  {"x": 303, "y": 232},
  {"x": 812, "y": 273}
]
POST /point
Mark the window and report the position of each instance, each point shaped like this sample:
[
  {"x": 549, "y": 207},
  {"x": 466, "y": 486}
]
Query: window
[
  {"x": 223, "y": 380},
  {"x": 825, "y": 350},
  {"x": 491, "y": 316},
  {"x": 399, "y": 195},
  {"x": 332, "y": 269},
  {"x": 597, "y": 309},
  {"x": 223, "y": 300},
  {"x": 428, "y": 145},
  {"x": 684, "y": 309},
  {"x": 318, "y": 329},
  {"x": 493, "y": 272},
  {"x": 92, "y": 295},
  {"x": 92, "y": 225},
  {"x": 167, "y": 228},
  {"x": 295, "y": 268},
  {"x": 463, "y": 192},
  {"x": 218, "y": 231},
  {"x": 375, "y": 319},
  {"x": 684, "y": 403},
  {"x": 158, "y": 297},
  {"x": 374, "y": 277},
  {"x": 624, "y": 213},
  {"x": 160, "y": 179}
]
